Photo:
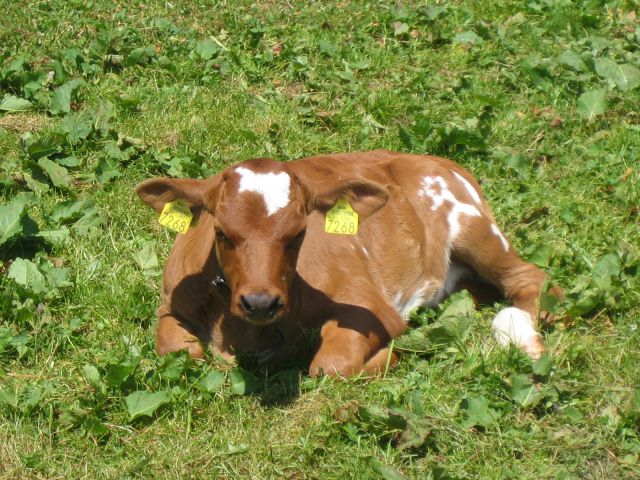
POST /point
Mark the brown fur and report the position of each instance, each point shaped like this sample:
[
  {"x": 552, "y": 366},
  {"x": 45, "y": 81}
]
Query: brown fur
[{"x": 344, "y": 287}]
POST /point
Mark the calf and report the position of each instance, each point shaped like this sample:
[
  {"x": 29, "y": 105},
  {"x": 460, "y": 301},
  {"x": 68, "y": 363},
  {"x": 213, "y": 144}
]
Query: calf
[{"x": 260, "y": 272}]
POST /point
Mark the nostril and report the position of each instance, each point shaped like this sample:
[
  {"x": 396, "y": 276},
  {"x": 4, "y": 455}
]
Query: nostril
[
  {"x": 246, "y": 304},
  {"x": 276, "y": 304}
]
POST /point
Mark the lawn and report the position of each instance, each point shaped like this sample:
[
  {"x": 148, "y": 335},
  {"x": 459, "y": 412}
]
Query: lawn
[{"x": 539, "y": 99}]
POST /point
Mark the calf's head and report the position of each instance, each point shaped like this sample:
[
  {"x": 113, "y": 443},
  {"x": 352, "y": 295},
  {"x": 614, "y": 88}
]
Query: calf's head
[{"x": 260, "y": 210}]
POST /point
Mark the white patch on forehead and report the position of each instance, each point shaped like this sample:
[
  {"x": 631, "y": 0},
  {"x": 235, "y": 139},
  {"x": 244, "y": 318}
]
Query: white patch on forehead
[
  {"x": 437, "y": 190},
  {"x": 472, "y": 191},
  {"x": 274, "y": 187},
  {"x": 496, "y": 231}
]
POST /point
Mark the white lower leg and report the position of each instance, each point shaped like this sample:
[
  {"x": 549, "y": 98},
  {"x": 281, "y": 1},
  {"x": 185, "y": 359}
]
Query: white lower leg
[{"x": 512, "y": 325}]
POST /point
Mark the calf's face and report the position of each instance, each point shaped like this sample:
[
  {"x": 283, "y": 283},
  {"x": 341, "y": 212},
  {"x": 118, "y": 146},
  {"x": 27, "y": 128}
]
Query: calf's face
[
  {"x": 260, "y": 210},
  {"x": 260, "y": 220}
]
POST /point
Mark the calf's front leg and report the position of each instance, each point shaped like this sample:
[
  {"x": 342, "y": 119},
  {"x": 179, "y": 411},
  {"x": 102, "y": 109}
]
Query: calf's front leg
[
  {"x": 172, "y": 335},
  {"x": 352, "y": 347}
]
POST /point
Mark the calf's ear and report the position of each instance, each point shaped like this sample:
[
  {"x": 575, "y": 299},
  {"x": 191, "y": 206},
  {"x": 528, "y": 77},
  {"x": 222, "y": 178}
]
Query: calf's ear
[
  {"x": 364, "y": 196},
  {"x": 156, "y": 192}
]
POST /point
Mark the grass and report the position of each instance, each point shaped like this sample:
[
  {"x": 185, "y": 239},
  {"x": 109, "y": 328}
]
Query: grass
[{"x": 538, "y": 99}]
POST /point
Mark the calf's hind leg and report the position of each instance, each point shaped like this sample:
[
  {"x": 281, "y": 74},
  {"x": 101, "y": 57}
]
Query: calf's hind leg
[{"x": 483, "y": 247}]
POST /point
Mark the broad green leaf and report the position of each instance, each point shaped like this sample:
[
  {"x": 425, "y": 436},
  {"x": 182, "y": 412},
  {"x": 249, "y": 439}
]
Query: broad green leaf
[
  {"x": 57, "y": 277},
  {"x": 548, "y": 302},
  {"x": 592, "y": 103},
  {"x": 107, "y": 170},
  {"x": 103, "y": 117},
  {"x": 72, "y": 416},
  {"x": 543, "y": 365},
  {"x": 58, "y": 174},
  {"x": 541, "y": 255},
  {"x": 624, "y": 75},
  {"x": 243, "y": 382},
  {"x": 11, "y": 217},
  {"x": 468, "y": 37},
  {"x": 146, "y": 256},
  {"x": 519, "y": 163},
  {"x": 213, "y": 381},
  {"x": 90, "y": 219},
  {"x": 573, "y": 414},
  {"x": 5, "y": 337},
  {"x": 206, "y": 49},
  {"x": 145, "y": 403},
  {"x": 61, "y": 98},
  {"x": 478, "y": 412},
  {"x": 11, "y": 103},
  {"x": 70, "y": 161},
  {"x": 573, "y": 60},
  {"x": 386, "y": 471},
  {"x": 415, "y": 431},
  {"x": 9, "y": 396},
  {"x": 326, "y": 47},
  {"x": 94, "y": 426},
  {"x": 374, "y": 416},
  {"x": 607, "y": 267},
  {"x": 31, "y": 396},
  {"x": 57, "y": 237},
  {"x": 117, "y": 373},
  {"x": 524, "y": 392},
  {"x": 26, "y": 274},
  {"x": 140, "y": 56},
  {"x": 70, "y": 210},
  {"x": 406, "y": 137},
  {"x": 173, "y": 365},
  {"x": 461, "y": 306},
  {"x": 92, "y": 376},
  {"x": 44, "y": 145},
  {"x": 77, "y": 127}
]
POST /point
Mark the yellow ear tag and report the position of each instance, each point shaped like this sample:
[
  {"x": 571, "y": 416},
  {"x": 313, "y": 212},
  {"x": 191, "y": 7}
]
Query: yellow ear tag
[
  {"x": 176, "y": 216},
  {"x": 341, "y": 219}
]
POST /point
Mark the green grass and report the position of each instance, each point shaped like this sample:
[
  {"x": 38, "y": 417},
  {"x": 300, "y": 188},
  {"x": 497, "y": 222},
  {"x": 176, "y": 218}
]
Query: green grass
[{"x": 539, "y": 99}]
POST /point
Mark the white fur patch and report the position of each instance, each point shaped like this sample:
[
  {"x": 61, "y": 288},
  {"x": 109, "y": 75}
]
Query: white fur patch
[
  {"x": 274, "y": 187},
  {"x": 455, "y": 273},
  {"x": 437, "y": 190},
  {"x": 496, "y": 231},
  {"x": 472, "y": 191},
  {"x": 416, "y": 299},
  {"x": 513, "y": 325}
]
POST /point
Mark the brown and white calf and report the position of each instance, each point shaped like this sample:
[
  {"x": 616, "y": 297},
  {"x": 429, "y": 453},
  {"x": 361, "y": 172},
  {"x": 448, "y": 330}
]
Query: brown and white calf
[{"x": 259, "y": 272}]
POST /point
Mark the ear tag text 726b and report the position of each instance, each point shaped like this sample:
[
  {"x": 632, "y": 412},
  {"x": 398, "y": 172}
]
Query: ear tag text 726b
[
  {"x": 341, "y": 219},
  {"x": 176, "y": 216}
]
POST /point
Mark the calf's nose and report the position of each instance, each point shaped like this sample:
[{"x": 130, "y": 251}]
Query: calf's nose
[{"x": 260, "y": 305}]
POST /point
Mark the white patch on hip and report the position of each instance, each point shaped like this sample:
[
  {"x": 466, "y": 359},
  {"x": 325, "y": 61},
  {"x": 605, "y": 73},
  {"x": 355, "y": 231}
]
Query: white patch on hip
[
  {"x": 472, "y": 191},
  {"x": 437, "y": 190},
  {"x": 496, "y": 231},
  {"x": 274, "y": 187},
  {"x": 512, "y": 325}
]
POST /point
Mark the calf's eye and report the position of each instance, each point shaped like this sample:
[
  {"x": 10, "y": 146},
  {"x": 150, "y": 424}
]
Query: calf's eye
[{"x": 220, "y": 235}]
